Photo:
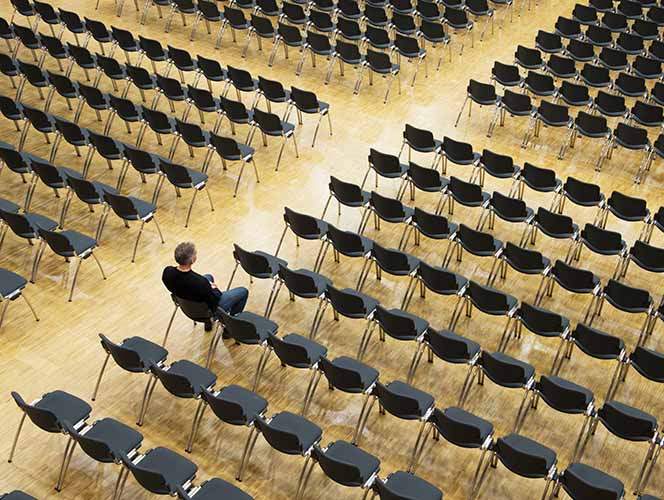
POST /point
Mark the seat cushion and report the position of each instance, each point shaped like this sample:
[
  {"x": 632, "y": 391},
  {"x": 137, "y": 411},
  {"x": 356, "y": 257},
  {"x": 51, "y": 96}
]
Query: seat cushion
[
  {"x": 143, "y": 208},
  {"x": 198, "y": 376},
  {"x": 18, "y": 495},
  {"x": 119, "y": 437},
  {"x": 420, "y": 324},
  {"x": 147, "y": 351},
  {"x": 216, "y": 489},
  {"x": 320, "y": 281},
  {"x": 38, "y": 220},
  {"x": 314, "y": 350},
  {"x": 65, "y": 406},
  {"x": 407, "y": 486},
  {"x": 10, "y": 283},
  {"x": 273, "y": 262},
  {"x": 8, "y": 206},
  {"x": 582, "y": 481},
  {"x": 175, "y": 468},
  {"x": 307, "y": 432},
  {"x": 343, "y": 451}
]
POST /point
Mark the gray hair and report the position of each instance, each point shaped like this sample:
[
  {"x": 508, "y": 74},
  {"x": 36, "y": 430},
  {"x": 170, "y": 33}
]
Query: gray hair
[{"x": 185, "y": 253}]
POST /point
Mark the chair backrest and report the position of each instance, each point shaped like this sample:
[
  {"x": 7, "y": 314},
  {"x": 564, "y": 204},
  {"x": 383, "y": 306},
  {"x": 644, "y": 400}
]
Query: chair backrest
[
  {"x": 289, "y": 353},
  {"x": 399, "y": 326},
  {"x": 389, "y": 259},
  {"x": 387, "y": 208},
  {"x": 378, "y": 61},
  {"x": 345, "y": 191},
  {"x": 648, "y": 363},
  {"x": 226, "y": 147},
  {"x": 627, "y": 207},
  {"x": 488, "y": 299},
  {"x": 574, "y": 278},
  {"x": 341, "y": 377},
  {"x": 541, "y": 321},
  {"x": 602, "y": 240},
  {"x": 152, "y": 480},
  {"x": 506, "y": 370},
  {"x": 302, "y": 224},
  {"x": 268, "y": 122},
  {"x": 84, "y": 189},
  {"x": 128, "y": 359},
  {"x": 528, "y": 464},
  {"x": 304, "y": 99},
  {"x": 240, "y": 77},
  {"x": 524, "y": 259},
  {"x": 438, "y": 279},
  {"x": 122, "y": 205},
  {"x": 176, "y": 384},
  {"x": 384, "y": 163},
  {"x": 58, "y": 242},
  {"x": 253, "y": 263},
  {"x": 582, "y": 481},
  {"x": 451, "y": 347},
  {"x": 299, "y": 283},
  {"x": 196, "y": 311},
  {"x": 582, "y": 192},
  {"x": 396, "y": 402},
  {"x": 539, "y": 178},
  {"x": 563, "y": 395},
  {"x": 554, "y": 224},
  {"x": 226, "y": 409},
  {"x": 517, "y": 102},
  {"x": 239, "y": 329},
  {"x": 18, "y": 223},
  {"x": 508, "y": 207},
  {"x": 597, "y": 343},
  {"x": 457, "y": 151},
  {"x": 454, "y": 424},
  {"x": 345, "y": 302},
  {"x": 627, "y": 422},
  {"x": 341, "y": 471},
  {"x": 281, "y": 440},
  {"x": 41, "y": 417},
  {"x": 476, "y": 241},
  {"x": 48, "y": 174},
  {"x": 465, "y": 192},
  {"x": 345, "y": 241},
  {"x": 95, "y": 448},
  {"x": 626, "y": 297}
]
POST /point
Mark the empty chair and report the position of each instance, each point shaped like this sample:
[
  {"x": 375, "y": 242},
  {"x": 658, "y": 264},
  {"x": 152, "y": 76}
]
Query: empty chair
[
  {"x": 159, "y": 470},
  {"x": 584, "y": 194},
  {"x": 302, "y": 283},
  {"x": 384, "y": 165},
  {"x": 481, "y": 93},
  {"x": 271, "y": 125},
  {"x": 345, "y": 464},
  {"x": 522, "y": 260},
  {"x": 551, "y": 224},
  {"x": 49, "y": 413},
  {"x": 465, "y": 193},
  {"x": 422, "y": 141},
  {"x": 487, "y": 300},
  {"x": 595, "y": 76},
  {"x": 528, "y": 58},
  {"x": 548, "y": 42},
  {"x": 303, "y": 226},
  {"x": 551, "y": 115},
  {"x": 433, "y": 226},
  {"x": 236, "y": 20},
  {"x": 647, "y": 257},
  {"x": 582, "y": 481},
  {"x": 289, "y": 36},
  {"x": 347, "y": 194},
  {"x": 524, "y": 457},
  {"x": 509, "y": 209},
  {"x": 590, "y": 126},
  {"x": 381, "y": 64},
  {"x": 287, "y": 433},
  {"x": 539, "y": 321},
  {"x": 401, "y": 484},
  {"x": 66, "y": 244},
  {"x": 11, "y": 288},
  {"x": 647, "y": 362},
  {"x": 631, "y": 424},
  {"x": 572, "y": 279},
  {"x": 213, "y": 488},
  {"x": 477, "y": 243},
  {"x": 390, "y": 260},
  {"x": 52, "y": 176},
  {"x": 347, "y": 302},
  {"x": 459, "y": 153},
  {"x": 506, "y": 75},
  {"x": 598, "y": 240},
  {"x": 516, "y": 104},
  {"x": 388, "y": 209},
  {"x": 129, "y": 208},
  {"x": 307, "y": 102},
  {"x": 625, "y": 208}
]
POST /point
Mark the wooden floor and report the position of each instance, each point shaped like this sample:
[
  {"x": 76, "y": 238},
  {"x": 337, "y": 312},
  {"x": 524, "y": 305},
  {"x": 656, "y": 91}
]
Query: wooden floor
[{"x": 62, "y": 351}]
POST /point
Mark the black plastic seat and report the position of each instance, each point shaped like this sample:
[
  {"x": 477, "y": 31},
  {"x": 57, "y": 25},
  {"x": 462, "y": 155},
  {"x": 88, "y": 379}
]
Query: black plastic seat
[
  {"x": 582, "y": 481},
  {"x": 506, "y": 75},
  {"x": 390, "y": 260},
  {"x": 401, "y": 484},
  {"x": 528, "y": 58},
  {"x": 384, "y": 165}
]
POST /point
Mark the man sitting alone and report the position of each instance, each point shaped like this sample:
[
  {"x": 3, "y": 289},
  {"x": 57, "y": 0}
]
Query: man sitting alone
[{"x": 187, "y": 284}]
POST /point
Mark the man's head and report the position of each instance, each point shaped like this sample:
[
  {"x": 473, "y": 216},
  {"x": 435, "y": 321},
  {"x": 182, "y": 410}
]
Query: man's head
[{"x": 185, "y": 254}]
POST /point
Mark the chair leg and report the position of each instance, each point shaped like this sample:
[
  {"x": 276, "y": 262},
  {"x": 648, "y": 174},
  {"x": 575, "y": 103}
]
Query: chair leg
[
  {"x": 198, "y": 417},
  {"x": 311, "y": 389},
  {"x": 363, "y": 418},
  {"x": 18, "y": 433},
  {"x": 101, "y": 374},
  {"x": 248, "y": 449},
  {"x": 168, "y": 328},
  {"x": 147, "y": 396},
  {"x": 69, "y": 450}
]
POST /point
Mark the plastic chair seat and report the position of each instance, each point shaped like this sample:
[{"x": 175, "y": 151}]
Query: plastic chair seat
[
  {"x": 365, "y": 463},
  {"x": 8, "y": 206},
  {"x": 458, "y": 419},
  {"x": 320, "y": 283},
  {"x": 461, "y": 355},
  {"x": 65, "y": 406},
  {"x": 313, "y": 349},
  {"x": 119, "y": 438},
  {"x": 523, "y": 446},
  {"x": 10, "y": 283},
  {"x": 41, "y": 221},
  {"x": 420, "y": 324},
  {"x": 580, "y": 479},
  {"x": 562, "y": 385},
  {"x": 368, "y": 303}
]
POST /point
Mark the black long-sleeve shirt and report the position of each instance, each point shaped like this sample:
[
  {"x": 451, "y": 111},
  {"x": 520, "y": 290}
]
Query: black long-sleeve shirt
[{"x": 190, "y": 285}]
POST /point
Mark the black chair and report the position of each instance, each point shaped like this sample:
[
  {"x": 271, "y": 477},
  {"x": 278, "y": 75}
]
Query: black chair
[
  {"x": 551, "y": 115},
  {"x": 462, "y": 429},
  {"x": 615, "y": 60},
  {"x": 347, "y": 194},
  {"x": 434, "y": 33},
  {"x": 287, "y": 433},
  {"x": 496, "y": 165},
  {"x": 388, "y": 209},
  {"x": 52, "y": 177},
  {"x": 522, "y": 260},
  {"x": 143, "y": 162},
  {"x": 72, "y": 23},
  {"x": 236, "y": 20},
  {"x": 595, "y": 76},
  {"x": 381, "y": 64},
  {"x": 181, "y": 177},
  {"x": 66, "y": 244},
  {"x": 482, "y": 94},
  {"x": 105, "y": 441},
  {"x": 477, "y": 243},
  {"x": 40, "y": 121},
  {"x": 384, "y": 165},
  {"x": 262, "y": 28},
  {"x": 487, "y": 300},
  {"x": 346, "y": 243},
  {"x": 347, "y": 302},
  {"x": 401, "y": 484},
  {"x": 572, "y": 279},
  {"x": 129, "y": 208},
  {"x": 645, "y": 256},
  {"x": 271, "y": 125},
  {"x": 183, "y": 7},
  {"x": 107, "y": 147},
  {"x": 303, "y": 226},
  {"x": 11, "y": 288},
  {"x": 590, "y": 126},
  {"x": 625, "y": 208},
  {"x": 540, "y": 321},
  {"x": 582, "y": 481},
  {"x": 160, "y": 471},
  {"x": 125, "y": 40},
  {"x": 208, "y": 12},
  {"x": 548, "y": 42},
  {"x": 646, "y": 362},
  {"x": 345, "y": 464},
  {"x": 459, "y": 153},
  {"x": 289, "y": 36},
  {"x": 506, "y": 75},
  {"x": 509, "y": 209},
  {"x": 431, "y": 225},
  {"x": 302, "y": 283},
  {"x": 583, "y": 194},
  {"x": 153, "y": 50},
  {"x": 457, "y": 19},
  {"x": 213, "y": 488},
  {"x": 307, "y": 102},
  {"x": 631, "y": 424},
  {"x": 390, "y": 260},
  {"x": 552, "y": 224},
  {"x": 539, "y": 84},
  {"x": 273, "y": 91},
  {"x": 516, "y": 104},
  {"x": 506, "y": 372},
  {"x": 600, "y": 241},
  {"x": 465, "y": 193},
  {"x": 19, "y": 495},
  {"x": 49, "y": 413},
  {"x": 528, "y": 58}
]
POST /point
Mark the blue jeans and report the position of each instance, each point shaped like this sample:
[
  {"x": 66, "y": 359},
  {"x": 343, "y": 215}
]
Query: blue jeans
[{"x": 232, "y": 301}]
